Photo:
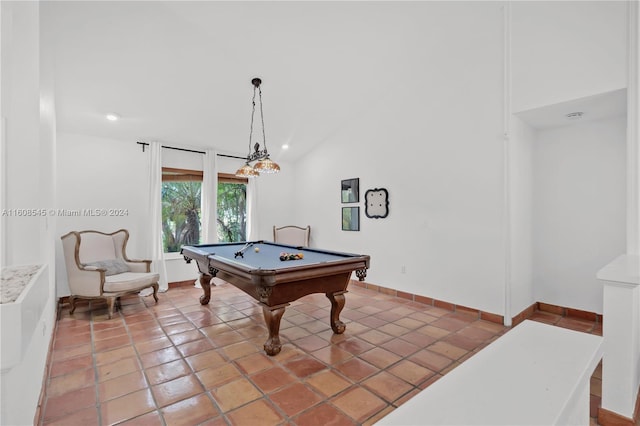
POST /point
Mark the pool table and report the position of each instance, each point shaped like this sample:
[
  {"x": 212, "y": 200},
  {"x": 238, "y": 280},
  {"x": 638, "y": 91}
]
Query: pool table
[{"x": 255, "y": 268}]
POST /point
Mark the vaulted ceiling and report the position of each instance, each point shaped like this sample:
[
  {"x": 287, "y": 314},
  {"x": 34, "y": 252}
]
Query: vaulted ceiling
[{"x": 180, "y": 72}]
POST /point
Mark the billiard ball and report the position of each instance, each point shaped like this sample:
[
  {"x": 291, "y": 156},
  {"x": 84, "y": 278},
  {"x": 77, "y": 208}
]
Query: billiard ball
[{"x": 257, "y": 249}]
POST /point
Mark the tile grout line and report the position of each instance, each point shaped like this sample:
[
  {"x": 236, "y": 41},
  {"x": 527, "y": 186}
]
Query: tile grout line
[{"x": 94, "y": 357}]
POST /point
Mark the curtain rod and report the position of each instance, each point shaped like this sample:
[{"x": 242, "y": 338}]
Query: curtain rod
[{"x": 191, "y": 150}]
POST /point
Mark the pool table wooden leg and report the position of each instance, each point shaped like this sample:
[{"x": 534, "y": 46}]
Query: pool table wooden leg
[
  {"x": 205, "y": 283},
  {"x": 272, "y": 316},
  {"x": 337, "y": 303}
]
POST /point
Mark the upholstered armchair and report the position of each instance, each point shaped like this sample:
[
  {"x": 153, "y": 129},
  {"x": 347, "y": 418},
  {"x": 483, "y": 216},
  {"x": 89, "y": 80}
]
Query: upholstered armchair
[
  {"x": 292, "y": 235},
  {"x": 98, "y": 268}
]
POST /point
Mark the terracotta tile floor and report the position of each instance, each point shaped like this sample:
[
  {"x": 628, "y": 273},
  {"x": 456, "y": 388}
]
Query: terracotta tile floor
[{"x": 180, "y": 363}]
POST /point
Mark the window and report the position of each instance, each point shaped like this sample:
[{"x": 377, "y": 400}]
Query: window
[
  {"x": 181, "y": 192},
  {"x": 181, "y": 215},
  {"x": 232, "y": 208}
]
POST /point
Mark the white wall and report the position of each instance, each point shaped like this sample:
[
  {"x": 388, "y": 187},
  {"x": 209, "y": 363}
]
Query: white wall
[
  {"x": 277, "y": 201},
  {"x": 20, "y": 107},
  {"x": 97, "y": 173},
  {"x": 436, "y": 146},
  {"x": 578, "y": 210},
  {"x": 521, "y": 219},
  {"x": 565, "y": 50},
  {"x": 562, "y": 52},
  {"x": 47, "y": 154},
  {"x": 28, "y": 146},
  {"x": 434, "y": 142}
]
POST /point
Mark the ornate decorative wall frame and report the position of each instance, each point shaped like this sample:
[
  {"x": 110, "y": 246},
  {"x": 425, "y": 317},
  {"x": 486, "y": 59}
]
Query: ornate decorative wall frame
[{"x": 376, "y": 203}]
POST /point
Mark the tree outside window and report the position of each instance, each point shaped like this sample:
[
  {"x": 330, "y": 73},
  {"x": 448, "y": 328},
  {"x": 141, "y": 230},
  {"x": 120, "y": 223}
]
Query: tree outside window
[
  {"x": 232, "y": 210},
  {"x": 181, "y": 215}
]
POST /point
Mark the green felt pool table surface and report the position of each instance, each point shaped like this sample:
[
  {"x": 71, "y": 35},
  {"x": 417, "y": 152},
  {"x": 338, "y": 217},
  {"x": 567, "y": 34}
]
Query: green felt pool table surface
[{"x": 268, "y": 255}]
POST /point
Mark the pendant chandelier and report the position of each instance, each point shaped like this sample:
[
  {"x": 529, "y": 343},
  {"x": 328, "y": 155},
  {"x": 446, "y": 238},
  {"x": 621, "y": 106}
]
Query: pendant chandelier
[{"x": 264, "y": 163}]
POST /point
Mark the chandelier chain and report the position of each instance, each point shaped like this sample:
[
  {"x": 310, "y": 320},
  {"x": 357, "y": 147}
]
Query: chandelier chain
[
  {"x": 264, "y": 138},
  {"x": 253, "y": 111}
]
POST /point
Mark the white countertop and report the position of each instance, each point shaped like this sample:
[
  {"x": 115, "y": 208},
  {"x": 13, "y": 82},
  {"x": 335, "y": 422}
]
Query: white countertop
[
  {"x": 623, "y": 269},
  {"x": 532, "y": 375}
]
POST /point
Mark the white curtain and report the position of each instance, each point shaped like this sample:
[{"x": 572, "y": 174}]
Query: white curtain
[
  {"x": 209, "y": 198},
  {"x": 252, "y": 210},
  {"x": 156, "y": 249}
]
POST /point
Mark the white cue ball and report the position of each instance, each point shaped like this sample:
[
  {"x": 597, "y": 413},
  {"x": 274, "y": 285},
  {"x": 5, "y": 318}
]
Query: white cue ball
[{"x": 257, "y": 249}]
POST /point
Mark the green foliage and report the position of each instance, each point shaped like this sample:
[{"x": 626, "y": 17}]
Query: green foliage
[
  {"x": 180, "y": 214},
  {"x": 232, "y": 212}
]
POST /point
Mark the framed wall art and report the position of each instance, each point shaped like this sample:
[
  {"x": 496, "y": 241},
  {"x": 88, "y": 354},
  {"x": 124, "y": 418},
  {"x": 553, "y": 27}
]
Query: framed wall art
[
  {"x": 351, "y": 218},
  {"x": 376, "y": 203},
  {"x": 349, "y": 190}
]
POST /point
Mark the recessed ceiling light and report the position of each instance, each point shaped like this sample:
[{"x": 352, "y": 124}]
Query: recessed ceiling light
[
  {"x": 285, "y": 146},
  {"x": 112, "y": 117},
  {"x": 574, "y": 115}
]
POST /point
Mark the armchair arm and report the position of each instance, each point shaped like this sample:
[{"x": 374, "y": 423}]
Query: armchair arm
[{"x": 86, "y": 281}]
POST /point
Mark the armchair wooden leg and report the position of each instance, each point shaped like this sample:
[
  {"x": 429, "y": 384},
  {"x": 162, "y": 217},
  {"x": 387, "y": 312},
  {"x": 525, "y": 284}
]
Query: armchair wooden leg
[
  {"x": 155, "y": 291},
  {"x": 110, "y": 302},
  {"x": 72, "y": 303}
]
